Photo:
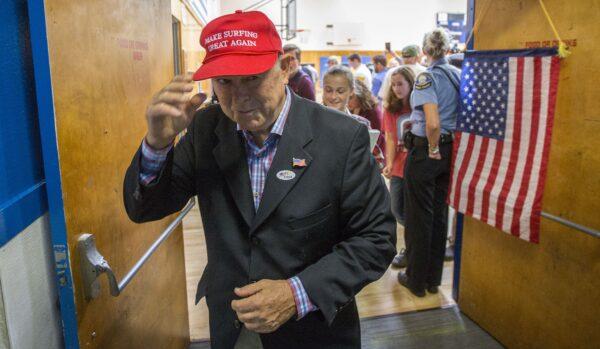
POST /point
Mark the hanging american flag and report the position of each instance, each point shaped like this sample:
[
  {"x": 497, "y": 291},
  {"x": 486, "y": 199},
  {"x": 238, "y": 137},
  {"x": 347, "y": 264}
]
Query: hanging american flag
[{"x": 503, "y": 138}]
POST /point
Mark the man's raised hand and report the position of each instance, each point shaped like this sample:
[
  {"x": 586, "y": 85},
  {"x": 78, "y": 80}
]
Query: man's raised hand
[{"x": 171, "y": 111}]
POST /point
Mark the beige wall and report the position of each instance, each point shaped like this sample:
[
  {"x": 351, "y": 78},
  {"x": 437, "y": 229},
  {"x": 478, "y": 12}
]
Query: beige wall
[
  {"x": 3, "y": 327},
  {"x": 30, "y": 318}
]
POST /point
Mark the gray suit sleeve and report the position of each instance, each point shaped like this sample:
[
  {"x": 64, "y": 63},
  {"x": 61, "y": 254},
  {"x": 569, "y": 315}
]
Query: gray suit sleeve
[{"x": 169, "y": 192}]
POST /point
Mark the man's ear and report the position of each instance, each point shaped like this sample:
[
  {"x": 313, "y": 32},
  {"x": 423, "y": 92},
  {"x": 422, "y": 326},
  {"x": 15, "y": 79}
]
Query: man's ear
[
  {"x": 284, "y": 65},
  {"x": 285, "y": 62}
]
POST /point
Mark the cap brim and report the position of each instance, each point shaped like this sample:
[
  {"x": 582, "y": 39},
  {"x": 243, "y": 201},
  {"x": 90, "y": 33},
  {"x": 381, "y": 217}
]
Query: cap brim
[{"x": 236, "y": 64}]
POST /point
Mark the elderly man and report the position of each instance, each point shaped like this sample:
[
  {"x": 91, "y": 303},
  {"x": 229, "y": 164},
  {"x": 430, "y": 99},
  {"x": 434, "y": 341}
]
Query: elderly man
[{"x": 296, "y": 216}]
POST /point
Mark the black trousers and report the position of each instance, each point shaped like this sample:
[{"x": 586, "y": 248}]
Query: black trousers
[
  {"x": 426, "y": 213},
  {"x": 397, "y": 197}
]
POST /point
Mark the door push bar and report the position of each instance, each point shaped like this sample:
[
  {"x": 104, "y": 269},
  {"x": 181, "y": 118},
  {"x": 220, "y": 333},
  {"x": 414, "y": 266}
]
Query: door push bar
[
  {"x": 587, "y": 230},
  {"x": 93, "y": 264}
]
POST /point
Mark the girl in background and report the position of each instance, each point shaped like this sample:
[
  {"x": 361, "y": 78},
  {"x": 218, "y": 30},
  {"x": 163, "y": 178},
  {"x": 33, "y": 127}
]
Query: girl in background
[
  {"x": 338, "y": 88},
  {"x": 363, "y": 103},
  {"x": 397, "y": 109}
]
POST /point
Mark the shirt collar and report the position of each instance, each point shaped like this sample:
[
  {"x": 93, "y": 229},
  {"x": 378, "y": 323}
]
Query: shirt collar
[
  {"x": 280, "y": 122},
  {"x": 440, "y": 61}
]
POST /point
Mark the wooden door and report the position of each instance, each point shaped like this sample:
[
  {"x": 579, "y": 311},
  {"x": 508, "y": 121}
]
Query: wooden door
[{"x": 106, "y": 59}]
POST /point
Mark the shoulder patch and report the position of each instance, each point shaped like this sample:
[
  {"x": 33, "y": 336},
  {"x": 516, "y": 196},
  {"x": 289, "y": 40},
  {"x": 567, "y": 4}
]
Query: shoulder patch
[{"x": 423, "y": 81}]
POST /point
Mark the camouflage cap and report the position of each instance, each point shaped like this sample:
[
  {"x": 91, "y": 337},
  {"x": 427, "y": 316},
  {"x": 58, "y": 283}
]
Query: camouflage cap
[{"x": 410, "y": 51}]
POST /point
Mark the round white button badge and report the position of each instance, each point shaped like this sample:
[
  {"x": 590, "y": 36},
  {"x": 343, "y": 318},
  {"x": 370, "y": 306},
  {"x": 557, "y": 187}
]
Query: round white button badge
[{"x": 286, "y": 175}]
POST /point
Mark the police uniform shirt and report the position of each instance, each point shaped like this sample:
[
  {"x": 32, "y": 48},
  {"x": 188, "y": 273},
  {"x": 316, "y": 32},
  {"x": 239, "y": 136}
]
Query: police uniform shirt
[{"x": 434, "y": 86}]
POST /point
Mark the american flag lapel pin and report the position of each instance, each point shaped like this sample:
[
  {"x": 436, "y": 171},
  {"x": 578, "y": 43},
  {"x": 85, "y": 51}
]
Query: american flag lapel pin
[{"x": 298, "y": 163}]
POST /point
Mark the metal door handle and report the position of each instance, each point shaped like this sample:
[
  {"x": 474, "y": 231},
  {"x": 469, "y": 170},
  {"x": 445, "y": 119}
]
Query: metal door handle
[{"x": 93, "y": 264}]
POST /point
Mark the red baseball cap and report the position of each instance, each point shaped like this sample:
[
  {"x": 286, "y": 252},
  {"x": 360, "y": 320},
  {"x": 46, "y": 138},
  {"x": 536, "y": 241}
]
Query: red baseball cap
[{"x": 241, "y": 43}]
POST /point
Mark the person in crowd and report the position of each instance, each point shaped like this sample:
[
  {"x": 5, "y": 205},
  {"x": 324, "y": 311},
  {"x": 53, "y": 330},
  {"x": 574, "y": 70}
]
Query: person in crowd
[
  {"x": 455, "y": 59},
  {"x": 364, "y": 104},
  {"x": 338, "y": 88},
  {"x": 395, "y": 58},
  {"x": 333, "y": 61},
  {"x": 297, "y": 218},
  {"x": 396, "y": 113},
  {"x": 306, "y": 68},
  {"x": 360, "y": 71},
  {"x": 380, "y": 67},
  {"x": 392, "y": 63},
  {"x": 410, "y": 57},
  {"x": 299, "y": 81},
  {"x": 312, "y": 72},
  {"x": 435, "y": 104}
]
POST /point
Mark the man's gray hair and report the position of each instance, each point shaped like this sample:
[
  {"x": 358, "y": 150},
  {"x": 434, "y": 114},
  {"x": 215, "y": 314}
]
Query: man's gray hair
[
  {"x": 343, "y": 71},
  {"x": 436, "y": 43}
]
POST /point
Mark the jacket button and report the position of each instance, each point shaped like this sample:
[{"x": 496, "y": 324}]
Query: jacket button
[
  {"x": 255, "y": 241},
  {"x": 237, "y": 323}
]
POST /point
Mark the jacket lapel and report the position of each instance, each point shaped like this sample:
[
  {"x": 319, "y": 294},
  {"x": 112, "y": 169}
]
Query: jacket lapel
[
  {"x": 230, "y": 155},
  {"x": 296, "y": 135}
]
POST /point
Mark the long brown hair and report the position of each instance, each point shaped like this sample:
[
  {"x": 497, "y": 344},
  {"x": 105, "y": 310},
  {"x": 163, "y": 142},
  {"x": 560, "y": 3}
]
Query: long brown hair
[
  {"x": 391, "y": 103},
  {"x": 365, "y": 98}
]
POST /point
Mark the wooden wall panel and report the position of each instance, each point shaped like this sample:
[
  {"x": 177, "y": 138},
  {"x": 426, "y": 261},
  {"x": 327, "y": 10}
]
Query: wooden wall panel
[
  {"x": 107, "y": 59},
  {"x": 546, "y": 295}
]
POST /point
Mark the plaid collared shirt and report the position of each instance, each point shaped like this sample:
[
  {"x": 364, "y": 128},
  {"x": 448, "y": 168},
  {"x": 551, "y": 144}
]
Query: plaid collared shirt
[
  {"x": 259, "y": 163},
  {"x": 260, "y": 158}
]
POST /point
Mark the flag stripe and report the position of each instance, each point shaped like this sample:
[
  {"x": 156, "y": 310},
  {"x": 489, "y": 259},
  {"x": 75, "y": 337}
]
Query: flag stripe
[
  {"x": 462, "y": 141},
  {"x": 469, "y": 171},
  {"x": 483, "y": 179},
  {"x": 510, "y": 162},
  {"x": 502, "y": 167},
  {"x": 486, "y": 204},
  {"x": 515, "y": 223},
  {"x": 453, "y": 166},
  {"x": 482, "y": 153},
  {"x": 524, "y": 218},
  {"x": 468, "y": 150},
  {"x": 521, "y": 152},
  {"x": 537, "y": 201}
]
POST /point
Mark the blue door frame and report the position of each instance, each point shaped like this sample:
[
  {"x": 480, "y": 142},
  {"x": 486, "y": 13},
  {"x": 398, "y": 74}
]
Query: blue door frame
[{"x": 45, "y": 107}]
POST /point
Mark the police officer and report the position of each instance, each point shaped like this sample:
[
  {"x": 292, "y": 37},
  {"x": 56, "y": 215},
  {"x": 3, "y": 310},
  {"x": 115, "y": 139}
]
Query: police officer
[{"x": 435, "y": 103}]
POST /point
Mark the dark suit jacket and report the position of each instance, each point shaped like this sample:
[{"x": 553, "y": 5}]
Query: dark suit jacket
[{"x": 331, "y": 225}]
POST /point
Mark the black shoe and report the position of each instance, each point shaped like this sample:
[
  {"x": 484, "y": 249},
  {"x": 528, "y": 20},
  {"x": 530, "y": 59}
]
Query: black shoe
[
  {"x": 403, "y": 280},
  {"x": 400, "y": 260},
  {"x": 432, "y": 289},
  {"x": 449, "y": 255}
]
